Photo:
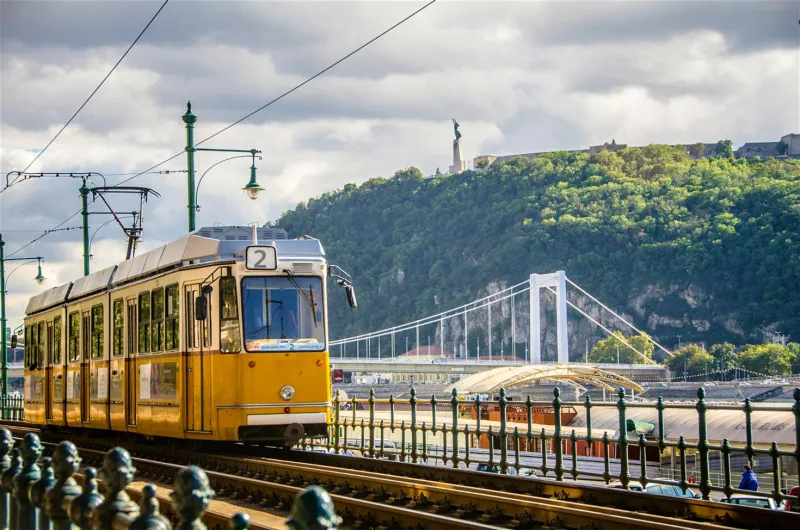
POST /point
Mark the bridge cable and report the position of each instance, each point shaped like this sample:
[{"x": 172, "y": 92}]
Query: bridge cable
[{"x": 619, "y": 317}]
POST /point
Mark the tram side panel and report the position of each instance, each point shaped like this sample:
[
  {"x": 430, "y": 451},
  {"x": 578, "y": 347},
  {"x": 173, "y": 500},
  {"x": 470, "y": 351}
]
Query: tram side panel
[
  {"x": 56, "y": 369},
  {"x": 34, "y": 369},
  {"x": 97, "y": 364}
]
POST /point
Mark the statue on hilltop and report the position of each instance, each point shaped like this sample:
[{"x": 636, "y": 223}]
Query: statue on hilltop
[{"x": 455, "y": 128}]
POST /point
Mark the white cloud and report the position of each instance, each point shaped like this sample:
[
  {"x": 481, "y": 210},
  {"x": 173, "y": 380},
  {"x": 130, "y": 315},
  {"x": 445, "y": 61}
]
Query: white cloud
[{"x": 519, "y": 77}]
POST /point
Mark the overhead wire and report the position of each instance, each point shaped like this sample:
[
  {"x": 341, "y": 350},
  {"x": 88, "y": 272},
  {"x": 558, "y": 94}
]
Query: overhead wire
[
  {"x": 293, "y": 89},
  {"x": 40, "y": 153},
  {"x": 275, "y": 100}
]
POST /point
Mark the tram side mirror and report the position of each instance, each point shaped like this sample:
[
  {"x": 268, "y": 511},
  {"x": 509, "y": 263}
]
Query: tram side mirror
[
  {"x": 14, "y": 341},
  {"x": 201, "y": 308},
  {"x": 351, "y": 296}
]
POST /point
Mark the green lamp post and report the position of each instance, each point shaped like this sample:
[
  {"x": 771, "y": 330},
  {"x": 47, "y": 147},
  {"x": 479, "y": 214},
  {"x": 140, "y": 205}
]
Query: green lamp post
[
  {"x": 252, "y": 188},
  {"x": 39, "y": 280}
]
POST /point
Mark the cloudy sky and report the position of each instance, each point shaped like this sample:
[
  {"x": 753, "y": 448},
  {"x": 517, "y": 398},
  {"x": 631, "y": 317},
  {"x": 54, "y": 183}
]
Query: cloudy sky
[{"x": 518, "y": 76}]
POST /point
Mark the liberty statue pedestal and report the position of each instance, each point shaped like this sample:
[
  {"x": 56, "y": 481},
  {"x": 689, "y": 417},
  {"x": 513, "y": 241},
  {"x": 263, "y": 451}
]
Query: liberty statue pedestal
[{"x": 459, "y": 164}]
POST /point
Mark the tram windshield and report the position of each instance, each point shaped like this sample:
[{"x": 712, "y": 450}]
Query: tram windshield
[{"x": 283, "y": 314}]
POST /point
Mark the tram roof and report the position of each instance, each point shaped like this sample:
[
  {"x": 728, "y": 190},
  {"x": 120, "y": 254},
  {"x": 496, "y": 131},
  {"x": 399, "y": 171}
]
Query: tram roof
[{"x": 190, "y": 249}]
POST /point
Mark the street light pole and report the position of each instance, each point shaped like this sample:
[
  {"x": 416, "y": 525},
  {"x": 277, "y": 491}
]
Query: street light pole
[
  {"x": 189, "y": 119},
  {"x": 85, "y": 222},
  {"x": 252, "y": 188},
  {"x": 3, "y": 335}
]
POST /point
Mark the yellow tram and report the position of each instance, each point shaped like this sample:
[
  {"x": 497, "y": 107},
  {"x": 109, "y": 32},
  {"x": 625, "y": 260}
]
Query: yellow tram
[{"x": 209, "y": 338}]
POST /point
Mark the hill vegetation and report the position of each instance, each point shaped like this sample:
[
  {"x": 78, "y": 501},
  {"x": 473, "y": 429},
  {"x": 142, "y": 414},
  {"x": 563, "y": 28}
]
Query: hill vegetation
[{"x": 708, "y": 249}]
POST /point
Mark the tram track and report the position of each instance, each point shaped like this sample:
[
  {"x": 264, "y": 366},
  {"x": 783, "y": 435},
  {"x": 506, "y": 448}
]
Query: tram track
[{"x": 368, "y": 499}]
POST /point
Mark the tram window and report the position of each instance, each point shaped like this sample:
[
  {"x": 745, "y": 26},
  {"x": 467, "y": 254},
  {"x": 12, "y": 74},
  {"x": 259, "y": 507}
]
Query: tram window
[
  {"x": 206, "y": 325},
  {"x": 191, "y": 337},
  {"x": 74, "y": 336},
  {"x": 97, "y": 332},
  {"x": 28, "y": 345},
  {"x": 144, "y": 322},
  {"x": 229, "y": 338},
  {"x": 57, "y": 341},
  {"x": 117, "y": 331},
  {"x": 157, "y": 308},
  {"x": 172, "y": 311},
  {"x": 283, "y": 313},
  {"x": 40, "y": 349}
]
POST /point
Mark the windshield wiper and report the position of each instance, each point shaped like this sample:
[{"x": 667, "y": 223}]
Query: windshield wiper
[{"x": 309, "y": 301}]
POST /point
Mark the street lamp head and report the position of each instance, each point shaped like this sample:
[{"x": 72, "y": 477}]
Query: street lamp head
[
  {"x": 190, "y": 117},
  {"x": 252, "y": 188},
  {"x": 39, "y": 276}
]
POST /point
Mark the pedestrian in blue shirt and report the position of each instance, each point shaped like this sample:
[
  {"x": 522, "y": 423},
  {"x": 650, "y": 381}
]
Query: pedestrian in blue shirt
[{"x": 749, "y": 480}]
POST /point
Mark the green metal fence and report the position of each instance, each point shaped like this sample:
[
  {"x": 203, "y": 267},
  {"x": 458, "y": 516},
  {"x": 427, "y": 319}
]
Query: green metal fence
[
  {"x": 12, "y": 408},
  {"x": 446, "y": 432}
]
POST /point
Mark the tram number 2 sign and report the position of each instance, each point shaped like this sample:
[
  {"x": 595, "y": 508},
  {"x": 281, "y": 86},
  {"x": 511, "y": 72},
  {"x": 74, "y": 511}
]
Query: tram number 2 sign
[{"x": 261, "y": 258}]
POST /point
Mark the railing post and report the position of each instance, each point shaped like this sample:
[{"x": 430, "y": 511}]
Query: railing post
[
  {"x": 622, "y": 440},
  {"x": 8, "y": 488},
  {"x": 65, "y": 464},
  {"x": 31, "y": 451},
  {"x": 557, "y": 434},
  {"x": 702, "y": 444},
  {"x": 726, "y": 468},
  {"x": 371, "y": 423},
  {"x": 589, "y": 441},
  {"x": 413, "y": 402},
  {"x": 606, "y": 464},
  {"x": 117, "y": 473},
  {"x": 433, "y": 414},
  {"x": 776, "y": 472},
  {"x": 391, "y": 412},
  {"x": 642, "y": 460},
  {"x": 336, "y": 406},
  {"x": 574, "y": 439},
  {"x": 81, "y": 506},
  {"x": 529, "y": 437},
  {"x": 748, "y": 429},
  {"x": 151, "y": 518},
  {"x": 191, "y": 495},
  {"x": 454, "y": 405},
  {"x": 682, "y": 449},
  {"x": 313, "y": 509},
  {"x": 503, "y": 402},
  {"x": 37, "y": 491},
  {"x": 6, "y": 445},
  {"x": 661, "y": 442}
]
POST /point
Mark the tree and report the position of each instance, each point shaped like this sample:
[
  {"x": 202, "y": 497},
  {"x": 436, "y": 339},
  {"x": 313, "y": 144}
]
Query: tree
[
  {"x": 605, "y": 351},
  {"x": 697, "y": 149},
  {"x": 725, "y": 356},
  {"x": 766, "y": 359},
  {"x": 691, "y": 360},
  {"x": 724, "y": 149},
  {"x": 781, "y": 147}
]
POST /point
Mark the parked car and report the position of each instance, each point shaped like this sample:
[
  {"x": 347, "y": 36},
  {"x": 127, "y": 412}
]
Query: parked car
[
  {"x": 486, "y": 468},
  {"x": 751, "y": 500},
  {"x": 672, "y": 489}
]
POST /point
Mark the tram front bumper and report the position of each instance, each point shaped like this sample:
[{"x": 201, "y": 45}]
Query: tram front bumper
[{"x": 289, "y": 428}]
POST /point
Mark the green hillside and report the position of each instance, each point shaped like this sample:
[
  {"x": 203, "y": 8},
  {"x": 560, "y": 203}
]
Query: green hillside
[{"x": 709, "y": 248}]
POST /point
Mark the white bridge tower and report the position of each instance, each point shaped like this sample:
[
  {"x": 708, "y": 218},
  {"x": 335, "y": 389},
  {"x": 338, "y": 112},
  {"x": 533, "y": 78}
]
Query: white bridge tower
[{"x": 557, "y": 280}]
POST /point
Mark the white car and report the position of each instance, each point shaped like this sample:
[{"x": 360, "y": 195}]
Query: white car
[
  {"x": 671, "y": 490},
  {"x": 752, "y": 500}
]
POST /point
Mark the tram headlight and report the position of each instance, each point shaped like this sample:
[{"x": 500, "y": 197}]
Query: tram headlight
[{"x": 287, "y": 393}]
